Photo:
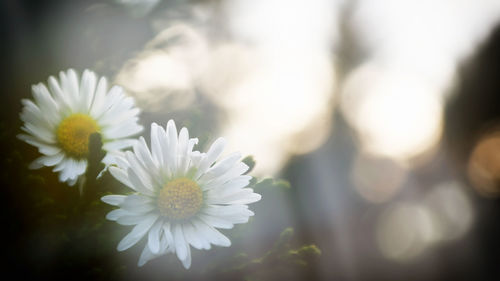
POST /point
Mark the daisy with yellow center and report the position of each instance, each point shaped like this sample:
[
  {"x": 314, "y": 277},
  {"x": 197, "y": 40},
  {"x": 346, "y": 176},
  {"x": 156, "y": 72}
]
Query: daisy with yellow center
[
  {"x": 61, "y": 118},
  {"x": 180, "y": 196}
]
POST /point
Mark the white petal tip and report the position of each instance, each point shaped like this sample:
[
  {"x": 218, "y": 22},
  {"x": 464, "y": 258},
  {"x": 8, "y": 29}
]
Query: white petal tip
[
  {"x": 186, "y": 265},
  {"x": 121, "y": 247},
  {"x": 35, "y": 165},
  {"x": 181, "y": 255}
]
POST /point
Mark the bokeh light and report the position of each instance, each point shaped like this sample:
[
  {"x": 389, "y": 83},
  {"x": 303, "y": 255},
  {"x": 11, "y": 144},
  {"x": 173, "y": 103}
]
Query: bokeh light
[
  {"x": 377, "y": 179},
  {"x": 484, "y": 164},
  {"x": 162, "y": 76},
  {"x": 372, "y": 125},
  {"x": 428, "y": 38},
  {"x": 453, "y": 212},
  {"x": 405, "y": 230},
  {"x": 395, "y": 114}
]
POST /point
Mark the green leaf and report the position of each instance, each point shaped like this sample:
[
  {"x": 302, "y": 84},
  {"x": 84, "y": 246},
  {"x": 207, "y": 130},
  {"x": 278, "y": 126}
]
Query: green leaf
[
  {"x": 284, "y": 239},
  {"x": 272, "y": 183},
  {"x": 250, "y": 163}
]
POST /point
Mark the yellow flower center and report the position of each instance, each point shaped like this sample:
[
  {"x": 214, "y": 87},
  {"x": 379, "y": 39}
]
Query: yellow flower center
[
  {"x": 180, "y": 199},
  {"x": 73, "y": 134}
]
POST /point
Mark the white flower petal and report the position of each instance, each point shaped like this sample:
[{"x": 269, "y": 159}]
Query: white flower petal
[
  {"x": 87, "y": 88},
  {"x": 146, "y": 256},
  {"x": 138, "y": 183},
  {"x": 156, "y": 150},
  {"x": 120, "y": 114},
  {"x": 59, "y": 97},
  {"x": 35, "y": 165},
  {"x": 234, "y": 184},
  {"x": 240, "y": 196},
  {"x": 154, "y": 237},
  {"x": 114, "y": 200},
  {"x": 72, "y": 169},
  {"x": 41, "y": 132},
  {"x": 121, "y": 103},
  {"x": 171, "y": 158},
  {"x": 99, "y": 97},
  {"x": 137, "y": 232},
  {"x": 46, "y": 103},
  {"x": 191, "y": 143},
  {"x": 69, "y": 85},
  {"x": 121, "y": 176},
  {"x": 61, "y": 166},
  {"x": 138, "y": 204},
  {"x": 50, "y": 160},
  {"x": 221, "y": 167},
  {"x": 117, "y": 214},
  {"x": 119, "y": 111},
  {"x": 187, "y": 261},
  {"x": 49, "y": 150},
  {"x": 138, "y": 174},
  {"x": 121, "y": 160},
  {"x": 112, "y": 97},
  {"x": 72, "y": 182},
  {"x": 182, "y": 152},
  {"x": 181, "y": 247},
  {"x": 36, "y": 142},
  {"x": 130, "y": 219},
  {"x": 210, "y": 233},
  {"x": 123, "y": 130},
  {"x": 232, "y": 213},
  {"x": 32, "y": 114},
  {"x": 81, "y": 166},
  {"x": 66, "y": 97},
  {"x": 142, "y": 152},
  {"x": 191, "y": 236},
  {"x": 236, "y": 171},
  {"x": 214, "y": 221},
  {"x": 167, "y": 232},
  {"x": 196, "y": 158},
  {"x": 213, "y": 153}
]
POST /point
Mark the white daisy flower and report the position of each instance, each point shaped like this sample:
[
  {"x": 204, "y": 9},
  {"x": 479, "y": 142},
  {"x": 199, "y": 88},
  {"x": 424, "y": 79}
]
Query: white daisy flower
[
  {"x": 180, "y": 196},
  {"x": 59, "y": 121}
]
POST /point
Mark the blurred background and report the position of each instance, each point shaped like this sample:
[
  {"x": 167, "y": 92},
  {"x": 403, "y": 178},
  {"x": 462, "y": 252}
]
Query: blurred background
[{"x": 380, "y": 118}]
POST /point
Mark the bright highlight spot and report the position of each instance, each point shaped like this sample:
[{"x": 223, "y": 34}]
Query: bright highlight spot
[
  {"x": 73, "y": 134},
  {"x": 282, "y": 102},
  {"x": 283, "y": 105},
  {"x": 395, "y": 114},
  {"x": 163, "y": 74}
]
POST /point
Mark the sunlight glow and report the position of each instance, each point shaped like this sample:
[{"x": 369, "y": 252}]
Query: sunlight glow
[
  {"x": 395, "y": 115},
  {"x": 283, "y": 104},
  {"x": 282, "y": 107},
  {"x": 428, "y": 38},
  {"x": 162, "y": 76}
]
